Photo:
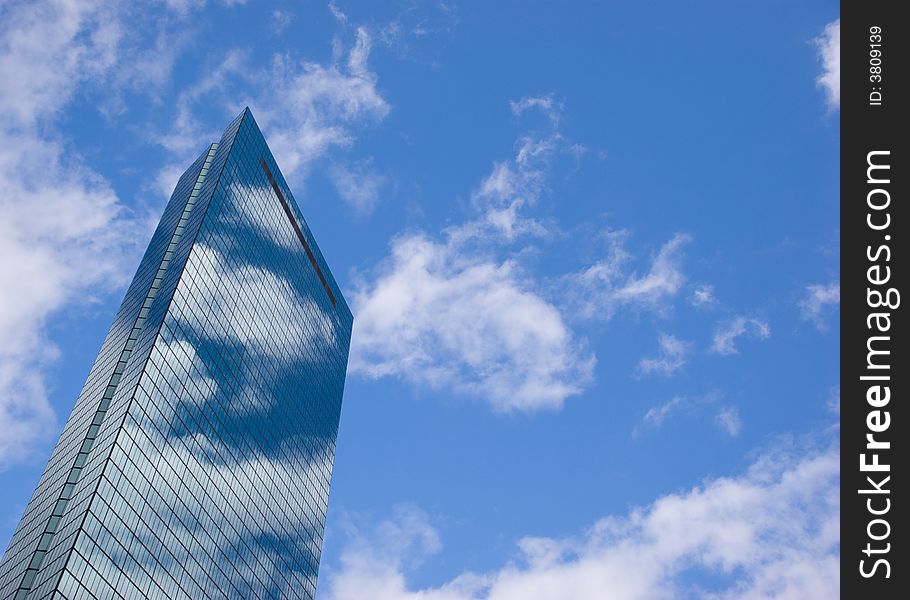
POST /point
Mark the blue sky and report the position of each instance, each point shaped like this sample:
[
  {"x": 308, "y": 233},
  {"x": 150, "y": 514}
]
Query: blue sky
[{"x": 592, "y": 256}]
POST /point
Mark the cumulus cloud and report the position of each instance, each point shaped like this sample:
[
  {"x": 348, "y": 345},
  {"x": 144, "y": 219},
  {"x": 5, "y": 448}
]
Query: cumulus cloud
[
  {"x": 828, "y": 47},
  {"x": 670, "y": 359},
  {"x": 771, "y": 532},
  {"x": 439, "y": 315},
  {"x": 453, "y": 312},
  {"x": 819, "y": 302},
  {"x": 725, "y": 335},
  {"x": 604, "y": 287},
  {"x": 64, "y": 235}
]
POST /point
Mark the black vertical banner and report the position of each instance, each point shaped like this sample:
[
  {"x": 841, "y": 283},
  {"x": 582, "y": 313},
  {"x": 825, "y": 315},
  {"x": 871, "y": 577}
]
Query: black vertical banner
[{"x": 875, "y": 374}]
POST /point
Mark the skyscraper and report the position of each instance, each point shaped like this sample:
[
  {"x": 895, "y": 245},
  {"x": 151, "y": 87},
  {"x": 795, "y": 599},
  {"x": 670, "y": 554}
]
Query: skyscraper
[{"x": 197, "y": 459}]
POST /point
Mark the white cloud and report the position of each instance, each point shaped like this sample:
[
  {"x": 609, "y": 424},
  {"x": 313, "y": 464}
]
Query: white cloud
[
  {"x": 672, "y": 357},
  {"x": 64, "y": 235},
  {"x": 656, "y": 414},
  {"x": 498, "y": 226},
  {"x": 453, "y": 313},
  {"x": 603, "y": 288},
  {"x": 511, "y": 187},
  {"x": 725, "y": 335},
  {"x": 408, "y": 539},
  {"x": 338, "y": 13},
  {"x": 521, "y": 178},
  {"x": 772, "y": 532},
  {"x": 439, "y": 315},
  {"x": 726, "y": 418},
  {"x": 186, "y": 137},
  {"x": 818, "y": 302},
  {"x": 309, "y": 108},
  {"x": 358, "y": 185},
  {"x": 729, "y": 421},
  {"x": 545, "y": 104},
  {"x": 47, "y": 49},
  {"x": 703, "y": 296},
  {"x": 828, "y": 46},
  {"x": 663, "y": 279},
  {"x": 304, "y": 108}
]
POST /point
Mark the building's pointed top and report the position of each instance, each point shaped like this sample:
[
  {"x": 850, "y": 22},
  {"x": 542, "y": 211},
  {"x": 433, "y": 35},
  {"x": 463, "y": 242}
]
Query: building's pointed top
[{"x": 247, "y": 115}]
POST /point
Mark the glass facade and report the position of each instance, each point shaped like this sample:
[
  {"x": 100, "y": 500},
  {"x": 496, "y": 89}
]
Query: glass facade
[{"x": 197, "y": 460}]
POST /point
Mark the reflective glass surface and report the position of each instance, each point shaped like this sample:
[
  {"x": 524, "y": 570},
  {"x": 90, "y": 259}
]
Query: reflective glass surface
[{"x": 209, "y": 469}]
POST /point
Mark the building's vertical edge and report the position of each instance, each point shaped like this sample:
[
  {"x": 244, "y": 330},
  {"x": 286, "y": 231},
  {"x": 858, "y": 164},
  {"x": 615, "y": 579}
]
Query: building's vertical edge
[
  {"x": 338, "y": 309},
  {"x": 113, "y": 425},
  {"x": 24, "y": 542}
]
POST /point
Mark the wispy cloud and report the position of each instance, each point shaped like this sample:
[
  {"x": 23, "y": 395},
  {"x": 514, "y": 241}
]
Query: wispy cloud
[
  {"x": 670, "y": 359},
  {"x": 521, "y": 178},
  {"x": 418, "y": 29},
  {"x": 819, "y": 302},
  {"x": 184, "y": 136},
  {"x": 775, "y": 527},
  {"x": 358, "y": 185},
  {"x": 512, "y": 187},
  {"x": 305, "y": 108},
  {"x": 729, "y": 421},
  {"x": 604, "y": 287},
  {"x": 281, "y": 19},
  {"x": 725, "y": 417},
  {"x": 339, "y": 14},
  {"x": 725, "y": 335},
  {"x": 656, "y": 414},
  {"x": 828, "y": 47},
  {"x": 311, "y": 108},
  {"x": 545, "y": 104},
  {"x": 703, "y": 296}
]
